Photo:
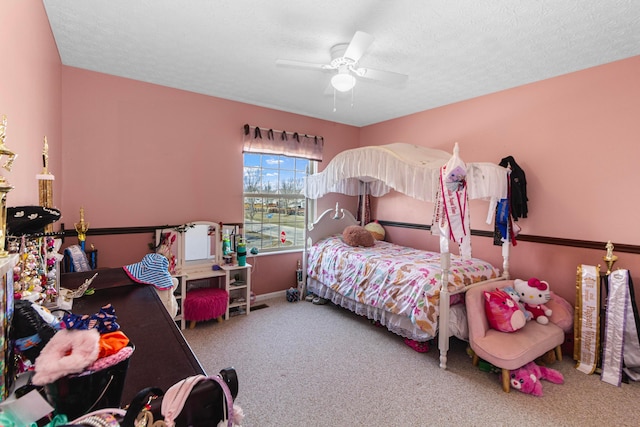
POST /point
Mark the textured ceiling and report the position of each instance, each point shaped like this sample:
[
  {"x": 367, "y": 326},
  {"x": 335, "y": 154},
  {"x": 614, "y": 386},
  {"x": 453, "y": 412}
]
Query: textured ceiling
[{"x": 451, "y": 50}]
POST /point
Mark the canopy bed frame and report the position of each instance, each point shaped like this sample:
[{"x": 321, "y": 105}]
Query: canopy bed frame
[{"x": 415, "y": 171}]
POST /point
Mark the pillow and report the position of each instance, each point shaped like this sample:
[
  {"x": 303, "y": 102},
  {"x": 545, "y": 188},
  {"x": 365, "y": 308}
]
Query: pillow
[
  {"x": 355, "y": 235},
  {"x": 375, "y": 229},
  {"x": 562, "y": 312},
  {"x": 502, "y": 312}
]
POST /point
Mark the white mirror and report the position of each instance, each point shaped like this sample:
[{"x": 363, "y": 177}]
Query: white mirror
[
  {"x": 198, "y": 243},
  {"x": 202, "y": 242}
]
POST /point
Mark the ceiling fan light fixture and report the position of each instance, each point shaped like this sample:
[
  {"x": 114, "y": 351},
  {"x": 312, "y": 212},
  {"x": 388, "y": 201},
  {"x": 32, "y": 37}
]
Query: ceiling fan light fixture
[{"x": 343, "y": 82}]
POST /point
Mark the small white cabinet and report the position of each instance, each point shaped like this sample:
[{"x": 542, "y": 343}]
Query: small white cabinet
[
  {"x": 179, "y": 292},
  {"x": 238, "y": 286}
]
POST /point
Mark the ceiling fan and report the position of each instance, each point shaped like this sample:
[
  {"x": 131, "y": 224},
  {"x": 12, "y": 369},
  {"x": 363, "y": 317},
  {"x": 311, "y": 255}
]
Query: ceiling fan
[{"x": 344, "y": 64}]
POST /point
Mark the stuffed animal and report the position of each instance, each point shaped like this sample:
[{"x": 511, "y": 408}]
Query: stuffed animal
[
  {"x": 534, "y": 294},
  {"x": 516, "y": 297},
  {"x": 166, "y": 243},
  {"x": 502, "y": 312},
  {"x": 527, "y": 378},
  {"x": 356, "y": 235},
  {"x": 376, "y": 230}
]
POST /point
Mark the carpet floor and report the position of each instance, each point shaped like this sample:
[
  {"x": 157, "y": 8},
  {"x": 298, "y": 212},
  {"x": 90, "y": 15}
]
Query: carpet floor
[{"x": 301, "y": 364}]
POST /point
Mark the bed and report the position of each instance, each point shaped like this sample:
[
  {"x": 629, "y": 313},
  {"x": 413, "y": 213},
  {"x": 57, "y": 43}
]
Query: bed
[{"x": 409, "y": 291}]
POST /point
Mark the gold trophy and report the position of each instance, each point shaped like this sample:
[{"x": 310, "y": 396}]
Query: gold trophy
[
  {"x": 4, "y": 186},
  {"x": 609, "y": 258},
  {"x": 81, "y": 228},
  {"x": 45, "y": 184}
]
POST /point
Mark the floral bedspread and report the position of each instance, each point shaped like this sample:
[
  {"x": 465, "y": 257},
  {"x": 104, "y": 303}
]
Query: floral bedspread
[{"x": 397, "y": 279}]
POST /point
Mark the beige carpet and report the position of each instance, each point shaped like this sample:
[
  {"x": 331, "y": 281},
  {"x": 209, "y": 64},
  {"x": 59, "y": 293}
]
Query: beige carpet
[{"x": 301, "y": 364}]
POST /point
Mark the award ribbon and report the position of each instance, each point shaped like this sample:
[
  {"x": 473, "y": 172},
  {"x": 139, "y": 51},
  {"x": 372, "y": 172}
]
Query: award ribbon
[{"x": 587, "y": 321}]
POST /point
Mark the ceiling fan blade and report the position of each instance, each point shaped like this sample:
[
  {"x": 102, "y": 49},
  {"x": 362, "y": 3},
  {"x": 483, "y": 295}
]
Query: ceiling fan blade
[
  {"x": 382, "y": 76},
  {"x": 299, "y": 64},
  {"x": 358, "y": 45}
]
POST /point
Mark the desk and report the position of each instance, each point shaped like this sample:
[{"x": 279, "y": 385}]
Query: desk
[{"x": 162, "y": 356}]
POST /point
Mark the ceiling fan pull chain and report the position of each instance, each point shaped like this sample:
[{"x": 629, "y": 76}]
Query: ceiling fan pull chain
[{"x": 334, "y": 99}]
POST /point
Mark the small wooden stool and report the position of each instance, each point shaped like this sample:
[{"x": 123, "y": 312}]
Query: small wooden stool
[{"x": 204, "y": 304}]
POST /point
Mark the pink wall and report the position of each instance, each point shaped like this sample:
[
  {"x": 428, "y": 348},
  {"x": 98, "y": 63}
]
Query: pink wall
[
  {"x": 132, "y": 153},
  {"x": 576, "y": 137},
  {"x": 138, "y": 154},
  {"x": 30, "y": 95}
]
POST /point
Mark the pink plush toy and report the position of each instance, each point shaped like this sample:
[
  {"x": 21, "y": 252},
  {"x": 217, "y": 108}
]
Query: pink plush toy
[
  {"x": 527, "y": 379},
  {"x": 502, "y": 311},
  {"x": 534, "y": 294}
]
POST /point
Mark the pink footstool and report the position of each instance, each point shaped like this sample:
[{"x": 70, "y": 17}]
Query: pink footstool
[{"x": 204, "y": 304}]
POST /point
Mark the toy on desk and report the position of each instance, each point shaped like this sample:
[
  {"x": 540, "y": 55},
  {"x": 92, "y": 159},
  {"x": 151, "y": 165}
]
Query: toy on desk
[{"x": 82, "y": 289}]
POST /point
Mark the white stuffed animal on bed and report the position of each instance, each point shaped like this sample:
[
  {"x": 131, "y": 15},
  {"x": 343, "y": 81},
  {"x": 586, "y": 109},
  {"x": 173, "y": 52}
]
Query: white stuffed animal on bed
[{"x": 534, "y": 294}]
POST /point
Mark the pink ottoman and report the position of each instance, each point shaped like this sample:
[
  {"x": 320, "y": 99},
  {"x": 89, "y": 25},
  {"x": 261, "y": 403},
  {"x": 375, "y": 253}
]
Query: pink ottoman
[{"x": 204, "y": 304}]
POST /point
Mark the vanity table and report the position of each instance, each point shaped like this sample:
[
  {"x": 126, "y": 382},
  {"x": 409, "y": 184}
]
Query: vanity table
[{"x": 197, "y": 248}]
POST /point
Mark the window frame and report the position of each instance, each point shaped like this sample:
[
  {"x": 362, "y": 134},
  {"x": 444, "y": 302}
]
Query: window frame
[{"x": 273, "y": 201}]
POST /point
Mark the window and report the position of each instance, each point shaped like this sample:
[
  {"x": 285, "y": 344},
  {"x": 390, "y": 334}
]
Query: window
[{"x": 274, "y": 206}]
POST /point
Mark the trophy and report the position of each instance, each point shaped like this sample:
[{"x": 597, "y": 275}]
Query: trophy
[
  {"x": 4, "y": 186},
  {"x": 45, "y": 184},
  {"x": 609, "y": 258},
  {"x": 81, "y": 228}
]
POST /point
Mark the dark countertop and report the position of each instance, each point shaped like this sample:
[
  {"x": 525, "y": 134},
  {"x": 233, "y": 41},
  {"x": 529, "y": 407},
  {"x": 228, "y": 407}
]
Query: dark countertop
[{"x": 162, "y": 356}]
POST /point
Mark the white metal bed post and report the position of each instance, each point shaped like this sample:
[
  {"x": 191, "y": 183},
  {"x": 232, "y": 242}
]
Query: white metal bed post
[
  {"x": 363, "y": 190},
  {"x": 506, "y": 245},
  {"x": 303, "y": 291}
]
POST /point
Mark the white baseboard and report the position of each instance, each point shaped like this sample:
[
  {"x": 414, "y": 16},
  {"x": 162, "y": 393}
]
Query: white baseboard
[{"x": 277, "y": 294}]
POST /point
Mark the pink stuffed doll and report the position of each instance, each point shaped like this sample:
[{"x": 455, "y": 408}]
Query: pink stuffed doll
[
  {"x": 527, "y": 378},
  {"x": 534, "y": 294}
]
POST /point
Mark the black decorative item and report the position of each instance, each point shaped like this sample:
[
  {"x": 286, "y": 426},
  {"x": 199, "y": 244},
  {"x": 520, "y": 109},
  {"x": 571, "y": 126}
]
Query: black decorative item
[{"x": 26, "y": 220}]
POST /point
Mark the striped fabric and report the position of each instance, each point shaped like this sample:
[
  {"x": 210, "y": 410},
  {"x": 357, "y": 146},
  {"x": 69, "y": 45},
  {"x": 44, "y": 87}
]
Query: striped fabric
[{"x": 152, "y": 270}]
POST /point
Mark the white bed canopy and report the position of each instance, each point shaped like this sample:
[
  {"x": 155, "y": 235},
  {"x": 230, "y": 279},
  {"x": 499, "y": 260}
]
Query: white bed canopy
[{"x": 406, "y": 168}]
